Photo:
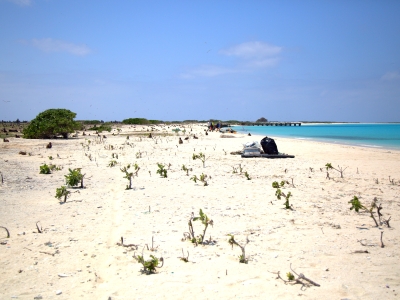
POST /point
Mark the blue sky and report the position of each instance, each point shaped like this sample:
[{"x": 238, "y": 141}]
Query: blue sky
[{"x": 177, "y": 60}]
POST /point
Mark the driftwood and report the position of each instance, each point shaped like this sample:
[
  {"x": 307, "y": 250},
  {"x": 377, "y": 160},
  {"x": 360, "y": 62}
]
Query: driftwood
[
  {"x": 40, "y": 230},
  {"x": 128, "y": 245},
  {"x": 8, "y": 233},
  {"x": 301, "y": 279},
  {"x": 185, "y": 259}
]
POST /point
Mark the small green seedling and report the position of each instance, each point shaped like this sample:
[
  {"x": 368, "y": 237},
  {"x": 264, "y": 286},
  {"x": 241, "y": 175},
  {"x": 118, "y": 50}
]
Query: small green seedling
[
  {"x": 74, "y": 177},
  {"x": 186, "y": 170},
  {"x": 200, "y": 156},
  {"x": 62, "y": 192},
  {"x": 242, "y": 257},
  {"x": 290, "y": 276},
  {"x": 130, "y": 175},
  {"x": 161, "y": 170},
  {"x": 357, "y": 205},
  {"x": 114, "y": 155},
  {"x": 45, "y": 169},
  {"x": 149, "y": 266},
  {"x": 247, "y": 175},
  {"x": 112, "y": 163},
  {"x": 138, "y": 154},
  {"x": 205, "y": 221},
  {"x": 51, "y": 157},
  {"x": 203, "y": 179},
  {"x": 279, "y": 193},
  {"x": 328, "y": 166}
]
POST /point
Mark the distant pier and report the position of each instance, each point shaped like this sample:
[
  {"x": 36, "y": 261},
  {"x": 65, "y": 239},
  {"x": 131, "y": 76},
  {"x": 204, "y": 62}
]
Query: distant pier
[{"x": 273, "y": 124}]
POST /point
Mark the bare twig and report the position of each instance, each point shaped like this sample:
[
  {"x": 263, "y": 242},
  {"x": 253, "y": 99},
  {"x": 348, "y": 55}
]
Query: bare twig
[
  {"x": 8, "y": 233},
  {"x": 185, "y": 259},
  {"x": 299, "y": 280},
  {"x": 128, "y": 245},
  {"x": 382, "y": 245},
  {"x": 40, "y": 230}
]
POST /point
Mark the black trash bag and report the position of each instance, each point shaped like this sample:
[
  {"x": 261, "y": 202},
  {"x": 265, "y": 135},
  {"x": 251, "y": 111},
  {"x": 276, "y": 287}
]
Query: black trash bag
[{"x": 269, "y": 146}]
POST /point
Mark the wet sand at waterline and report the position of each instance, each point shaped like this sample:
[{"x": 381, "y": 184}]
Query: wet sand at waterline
[{"x": 77, "y": 256}]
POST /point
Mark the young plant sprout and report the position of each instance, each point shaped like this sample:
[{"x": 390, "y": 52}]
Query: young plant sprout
[
  {"x": 62, "y": 192},
  {"x": 247, "y": 175},
  {"x": 112, "y": 163},
  {"x": 200, "y": 156},
  {"x": 149, "y": 266},
  {"x": 205, "y": 221},
  {"x": 45, "y": 169},
  {"x": 328, "y": 166},
  {"x": 279, "y": 193},
  {"x": 242, "y": 258},
  {"x": 186, "y": 170},
  {"x": 203, "y": 179},
  {"x": 74, "y": 177},
  {"x": 161, "y": 170},
  {"x": 130, "y": 175},
  {"x": 357, "y": 205}
]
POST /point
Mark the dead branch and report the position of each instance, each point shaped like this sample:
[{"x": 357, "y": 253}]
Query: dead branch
[
  {"x": 152, "y": 245},
  {"x": 185, "y": 259},
  {"x": 128, "y": 245},
  {"x": 382, "y": 245},
  {"x": 8, "y": 233},
  {"x": 299, "y": 280},
  {"x": 40, "y": 230},
  {"x": 359, "y": 251}
]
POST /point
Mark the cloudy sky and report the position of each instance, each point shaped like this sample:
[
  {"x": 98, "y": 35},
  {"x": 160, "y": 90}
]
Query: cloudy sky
[{"x": 176, "y": 60}]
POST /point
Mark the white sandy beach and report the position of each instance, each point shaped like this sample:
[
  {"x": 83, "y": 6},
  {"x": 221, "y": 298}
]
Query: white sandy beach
[{"x": 77, "y": 253}]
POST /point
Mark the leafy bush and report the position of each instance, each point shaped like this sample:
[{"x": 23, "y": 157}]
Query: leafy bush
[
  {"x": 51, "y": 123},
  {"x": 45, "y": 169},
  {"x": 74, "y": 177},
  {"x": 101, "y": 128},
  {"x": 62, "y": 192},
  {"x": 162, "y": 171}
]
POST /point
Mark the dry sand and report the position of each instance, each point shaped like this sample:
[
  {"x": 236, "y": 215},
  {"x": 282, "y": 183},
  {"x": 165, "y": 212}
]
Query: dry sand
[{"x": 77, "y": 253}]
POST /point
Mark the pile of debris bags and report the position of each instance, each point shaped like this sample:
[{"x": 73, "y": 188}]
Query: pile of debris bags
[{"x": 267, "y": 146}]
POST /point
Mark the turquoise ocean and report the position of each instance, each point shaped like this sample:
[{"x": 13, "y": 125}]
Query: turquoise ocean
[{"x": 386, "y": 136}]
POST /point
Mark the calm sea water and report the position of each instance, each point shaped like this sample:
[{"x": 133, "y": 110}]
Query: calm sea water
[{"x": 366, "y": 135}]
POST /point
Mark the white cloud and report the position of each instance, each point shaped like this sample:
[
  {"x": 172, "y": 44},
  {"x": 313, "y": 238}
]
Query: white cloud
[
  {"x": 21, "y": 2},
  {"x": 207, "y": 71},
  {"x": 252, "y": 50},
  {"x": 52, "y": 45},
  {"x": 389, "y": 76},
  {"x": 251, "y": 56}
]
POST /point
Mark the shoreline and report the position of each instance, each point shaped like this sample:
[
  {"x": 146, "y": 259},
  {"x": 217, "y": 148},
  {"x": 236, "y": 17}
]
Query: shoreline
[{"x": 332, "y": 142}]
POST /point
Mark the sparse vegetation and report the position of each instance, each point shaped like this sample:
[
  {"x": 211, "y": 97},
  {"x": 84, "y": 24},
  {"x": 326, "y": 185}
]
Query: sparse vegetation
[
  {"x": 74, "y": 177},
  {"x": 162, "y": 171},
  {"x": 279, "y": 194},
  {"x": 232, "y": 242},
  {"x": 130, "y": 175},
  {"x": 200, "y": 156},
  {"x": 149, "y": 266},
  {"x": 203, "y": 179},
  {"x": 62, "y": 192},
  {"x": 328, "y": 167}
]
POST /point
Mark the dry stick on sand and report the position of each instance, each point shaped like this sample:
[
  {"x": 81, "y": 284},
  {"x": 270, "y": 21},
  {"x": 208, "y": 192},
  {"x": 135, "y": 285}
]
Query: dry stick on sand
[
  {"x": 185, "y": 259},
  {"x": 128, "y": 245},
  {"x": 40, "y": 230},
  {"x": 299, "y": 280},
  {"x": 8, "y": 233},
  {"x": 152, "y": 245},
  {"x": 382, "y": 245}
]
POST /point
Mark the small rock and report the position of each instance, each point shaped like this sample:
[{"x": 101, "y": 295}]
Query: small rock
[
  {"x": 58, "y": 292},
  {"x": 38, "y": 297},
  {"x": 62, "y": 275}
]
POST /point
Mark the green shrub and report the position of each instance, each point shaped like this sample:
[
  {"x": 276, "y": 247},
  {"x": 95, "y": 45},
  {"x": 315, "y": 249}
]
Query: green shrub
[
  {"x": 51, "y": 123},
  {"x": 62, "y": 192},
  {"x": 44, "y": 169},
  {"x": 74, "y": 177},
  {"x": 101, "y": 128}
]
